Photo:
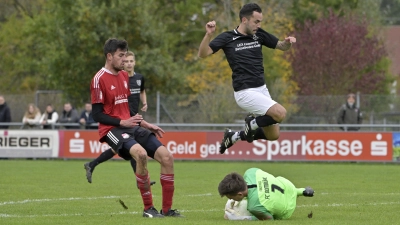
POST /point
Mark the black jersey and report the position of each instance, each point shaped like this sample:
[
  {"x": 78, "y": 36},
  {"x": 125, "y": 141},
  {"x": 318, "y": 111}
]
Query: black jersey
[
  {"x": 244, "y": 55},
  {"x": 136, "y": 85}
]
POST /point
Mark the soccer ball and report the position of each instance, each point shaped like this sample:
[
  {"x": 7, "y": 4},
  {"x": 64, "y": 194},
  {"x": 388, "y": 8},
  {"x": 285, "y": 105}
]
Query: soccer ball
[{"x": 240, "y": 208}]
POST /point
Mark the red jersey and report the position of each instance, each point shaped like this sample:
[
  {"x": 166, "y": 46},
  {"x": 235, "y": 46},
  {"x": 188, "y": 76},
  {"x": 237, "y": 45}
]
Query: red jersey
[{"x": 112, "y": 91}]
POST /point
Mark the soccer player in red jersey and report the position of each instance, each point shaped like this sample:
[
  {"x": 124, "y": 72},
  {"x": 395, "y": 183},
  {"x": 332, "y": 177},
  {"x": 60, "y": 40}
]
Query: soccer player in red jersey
[
  {"x": 138, "y": 93},
  {"x": 130, "y": 136}
]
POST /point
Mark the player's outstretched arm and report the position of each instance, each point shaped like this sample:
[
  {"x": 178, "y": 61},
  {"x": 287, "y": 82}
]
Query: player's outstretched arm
[
  {"x": 153, "y": 128},
  {"x": 204, "y": 49},
  {"x": 286, "y": 44},
  {"x": 262, "y": 215}
]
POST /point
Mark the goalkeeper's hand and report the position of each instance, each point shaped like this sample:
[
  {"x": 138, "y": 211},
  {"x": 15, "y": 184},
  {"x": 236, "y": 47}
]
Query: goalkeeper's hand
[{"x": 230, "y": 215}]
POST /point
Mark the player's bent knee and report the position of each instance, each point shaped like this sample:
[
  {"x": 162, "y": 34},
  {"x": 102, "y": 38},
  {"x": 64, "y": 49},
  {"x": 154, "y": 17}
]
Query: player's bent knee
[
  {"x": 167, "y": 160},
  {"x": 277, "y": 112},
  {"x": 165, "y": 157},
  {"x": 280, "y": 115},
  {"x": 138, "y": 153},
  {"x": 142, "y": 158},
  {"x": 273, "y": 137},
  {"x": 283, "y": 115}
]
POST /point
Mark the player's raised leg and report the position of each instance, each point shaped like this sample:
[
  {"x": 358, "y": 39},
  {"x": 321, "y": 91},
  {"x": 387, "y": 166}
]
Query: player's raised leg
[
  {"x": 89, "y": 166},
  {"x": 231, "y": 137},
  {"x": 274, "y": 115},
  {"x": 270, "y": 132}
]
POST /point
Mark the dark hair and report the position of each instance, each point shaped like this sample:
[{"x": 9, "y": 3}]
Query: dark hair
[
  {"x": 248, "y": 9},
  {"x": 113, "y": 44},
  {"x": 351, "y": 95},
  {"x": 231, "y": 184}
]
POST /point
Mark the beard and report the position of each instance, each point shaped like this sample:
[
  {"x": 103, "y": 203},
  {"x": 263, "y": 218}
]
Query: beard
[
  {"x": 117, "y": 68},
  {"x": 249, "y": 30}
]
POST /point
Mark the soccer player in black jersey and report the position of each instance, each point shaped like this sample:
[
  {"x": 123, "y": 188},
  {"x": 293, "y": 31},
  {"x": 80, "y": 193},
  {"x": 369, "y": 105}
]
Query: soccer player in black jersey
[
  {"x": 243, "y": 49},
  {"x": 136, "y": 85}
]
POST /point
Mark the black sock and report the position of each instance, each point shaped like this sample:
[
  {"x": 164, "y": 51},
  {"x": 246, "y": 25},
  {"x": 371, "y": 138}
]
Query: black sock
[
  {"x": 242, "y": 136},
  {"x": 106, "y": 155},
  {"x": 259, "y": 134},
  {"x": 265, "y": 121},
  {"x": 133, "y": 164}
]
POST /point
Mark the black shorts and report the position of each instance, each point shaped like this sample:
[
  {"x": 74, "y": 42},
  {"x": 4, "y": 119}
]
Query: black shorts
[{"x": 121, "y": 139}]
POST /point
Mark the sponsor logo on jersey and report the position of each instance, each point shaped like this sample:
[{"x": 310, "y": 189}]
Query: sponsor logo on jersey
[
  {"x": 112, "y": 87},
  {"x": 234, "y": 38},
  {"x": 255, "y": 37}
]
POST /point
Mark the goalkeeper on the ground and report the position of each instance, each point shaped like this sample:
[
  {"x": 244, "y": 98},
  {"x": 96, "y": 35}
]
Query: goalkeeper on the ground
[{"x": 268, "y": 197}]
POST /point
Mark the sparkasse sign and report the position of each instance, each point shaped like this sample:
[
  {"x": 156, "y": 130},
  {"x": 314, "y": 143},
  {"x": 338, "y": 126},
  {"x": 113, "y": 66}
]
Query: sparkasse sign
[{"x": 291, "y": 146}]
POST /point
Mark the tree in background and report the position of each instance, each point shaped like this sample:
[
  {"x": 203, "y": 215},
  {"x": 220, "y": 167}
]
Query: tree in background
[
  {"x": 311, "y": 10},
  {"x": 57, "y": 44},
  {"x": 336, "y": 55},
  {"x": 73, "y": 41},
  {"x": 391, "y": 12},
  {"x": 62, "y": 49},
  {"x": 18, "y": 72}
]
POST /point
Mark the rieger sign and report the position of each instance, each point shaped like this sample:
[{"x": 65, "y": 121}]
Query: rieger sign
[
  {"x": 313, "y": 146},
  {"x": 29, "y": 143}
]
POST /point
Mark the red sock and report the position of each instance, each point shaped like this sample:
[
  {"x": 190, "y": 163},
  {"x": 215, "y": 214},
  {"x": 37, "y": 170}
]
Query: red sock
[
  {"x": 145, "y": 190},
  {"x": 167, "y": 183}
]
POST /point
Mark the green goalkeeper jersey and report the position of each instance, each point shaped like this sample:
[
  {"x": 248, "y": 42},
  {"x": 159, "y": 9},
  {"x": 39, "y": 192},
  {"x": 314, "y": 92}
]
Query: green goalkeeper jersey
[{"x": 269, "y": 195}]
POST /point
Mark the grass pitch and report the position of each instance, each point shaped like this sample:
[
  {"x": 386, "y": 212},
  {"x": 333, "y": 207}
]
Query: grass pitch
[{"x": 56, "y": 192}]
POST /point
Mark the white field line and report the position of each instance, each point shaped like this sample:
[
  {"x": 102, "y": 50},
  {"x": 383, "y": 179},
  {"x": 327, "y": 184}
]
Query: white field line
[
  {"x": 200, "y": 210},
  {"x": 125, "y": 196},
  {"x": 358, "y": 193},
  {"x": 56, "y": 200},
  {"x": 349, "y": 204},
  {"x": 135, "y": 212},
  {"x": 81, "y": 198},
  {"x": 94, "y": 214}
]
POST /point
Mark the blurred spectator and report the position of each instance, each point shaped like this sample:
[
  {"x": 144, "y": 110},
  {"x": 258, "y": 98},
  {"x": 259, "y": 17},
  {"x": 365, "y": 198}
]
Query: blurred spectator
[
  {"x": 86, "y": 117},
  {"x": 5, "y": 114},
  {"x": 350, "y": 114},
  {"x": 49, "y": 117},
  {"x": 32, "y": 116},
  {"x": 69, "y": 115}
]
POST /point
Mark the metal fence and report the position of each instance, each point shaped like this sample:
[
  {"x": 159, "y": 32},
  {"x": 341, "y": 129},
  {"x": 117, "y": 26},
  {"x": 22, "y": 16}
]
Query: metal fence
[{"x": 212, "y": 111}]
